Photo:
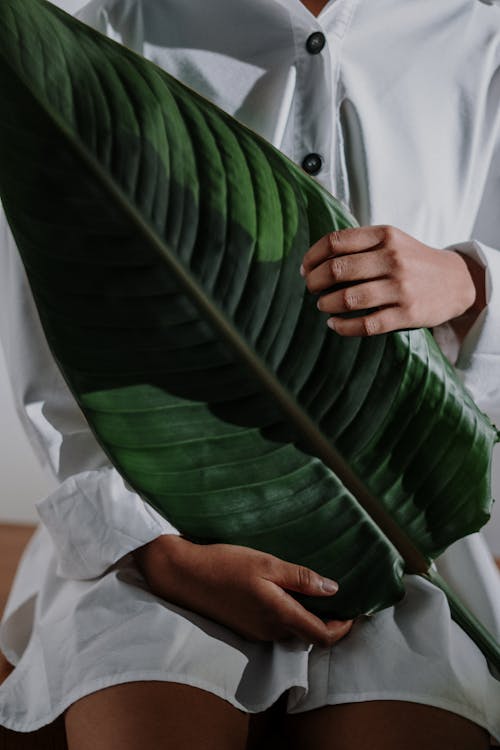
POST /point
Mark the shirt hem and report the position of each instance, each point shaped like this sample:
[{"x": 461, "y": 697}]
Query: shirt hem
[
  {"x": 103, "y": 682},
  {"x": 461, "y": 709}
]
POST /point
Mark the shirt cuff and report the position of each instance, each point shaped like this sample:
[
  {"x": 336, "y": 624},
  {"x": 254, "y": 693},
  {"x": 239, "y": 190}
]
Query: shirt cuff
[
  {"x": 477, "y": 359},
  {"x": 94, "y": 519}
]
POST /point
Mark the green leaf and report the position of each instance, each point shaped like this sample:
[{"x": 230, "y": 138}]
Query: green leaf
[{"x": 162, "y": 240}]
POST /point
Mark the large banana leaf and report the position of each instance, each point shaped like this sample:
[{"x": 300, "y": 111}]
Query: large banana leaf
[{"x": 162, "y": 240}]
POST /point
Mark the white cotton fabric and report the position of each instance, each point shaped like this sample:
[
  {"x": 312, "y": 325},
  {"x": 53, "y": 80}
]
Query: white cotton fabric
[{"x": 402, "y": 107}]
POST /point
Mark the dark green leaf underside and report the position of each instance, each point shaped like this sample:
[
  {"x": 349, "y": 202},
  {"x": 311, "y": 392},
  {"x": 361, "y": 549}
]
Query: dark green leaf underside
[{"x": 107, "y": 137}]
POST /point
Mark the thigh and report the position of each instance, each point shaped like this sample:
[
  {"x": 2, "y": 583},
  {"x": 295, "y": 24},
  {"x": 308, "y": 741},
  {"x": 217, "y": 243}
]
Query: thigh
[
  {"x": 383, "y": 725},
  {"x": 149, "y": 714}
]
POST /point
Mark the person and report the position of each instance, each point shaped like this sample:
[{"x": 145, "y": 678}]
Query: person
[{"x": 143, "y": 638}]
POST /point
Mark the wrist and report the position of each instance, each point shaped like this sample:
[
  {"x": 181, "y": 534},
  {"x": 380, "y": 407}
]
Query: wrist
[
  {"x": 169, "y": 565},
  {"x": 165, "y": 546},
  {"x": 471, "y": 291}
]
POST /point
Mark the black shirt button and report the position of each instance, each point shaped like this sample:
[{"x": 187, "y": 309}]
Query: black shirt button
[
  {"x": 312, "y": 163},
  {"x": 315, "y": 43}
]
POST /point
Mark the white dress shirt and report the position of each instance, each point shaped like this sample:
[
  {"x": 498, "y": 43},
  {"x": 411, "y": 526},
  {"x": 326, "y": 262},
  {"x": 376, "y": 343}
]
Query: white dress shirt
[{"x": 401, "y": 105}]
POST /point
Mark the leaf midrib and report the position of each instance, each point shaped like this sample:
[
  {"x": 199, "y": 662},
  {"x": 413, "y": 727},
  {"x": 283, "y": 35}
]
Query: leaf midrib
[{"x": 293, "y": 412}]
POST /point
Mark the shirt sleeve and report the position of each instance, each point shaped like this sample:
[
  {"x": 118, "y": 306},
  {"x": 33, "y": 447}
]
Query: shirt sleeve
[
  {"x": 121, "y": 21},
  {"x": 477, "y": 359},
  {"x": 93, "y": 517}
]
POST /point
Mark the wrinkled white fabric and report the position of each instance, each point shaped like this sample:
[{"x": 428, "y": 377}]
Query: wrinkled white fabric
[{"x": 402, "y": 107}]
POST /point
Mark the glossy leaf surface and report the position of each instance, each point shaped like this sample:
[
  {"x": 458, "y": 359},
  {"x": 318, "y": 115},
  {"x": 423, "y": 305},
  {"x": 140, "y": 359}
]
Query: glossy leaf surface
[{"x": 149, "y": 222}]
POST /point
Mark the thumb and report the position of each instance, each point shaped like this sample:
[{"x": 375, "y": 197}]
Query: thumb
[{"x": 304, "y": 580}]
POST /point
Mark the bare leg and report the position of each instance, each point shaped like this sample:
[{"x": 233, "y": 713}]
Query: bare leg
[
  {"x": 152, "y": 714},
  {"x": 383, "y": 725}
]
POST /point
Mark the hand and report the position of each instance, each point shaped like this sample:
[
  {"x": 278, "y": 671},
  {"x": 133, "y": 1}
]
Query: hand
[
  {"x": 239, "y": 587},
  {"x": 405, "y": 283}
]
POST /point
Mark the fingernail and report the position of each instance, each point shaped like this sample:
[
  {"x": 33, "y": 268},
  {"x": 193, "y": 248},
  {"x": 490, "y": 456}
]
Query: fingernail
[
  {"x": 331, "y": 323},
  {"x": 302, "y": 270},
  {"x": 329, "y": 586}
]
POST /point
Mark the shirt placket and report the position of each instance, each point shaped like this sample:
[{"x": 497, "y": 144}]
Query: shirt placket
[{"x": 318, "y": 45}]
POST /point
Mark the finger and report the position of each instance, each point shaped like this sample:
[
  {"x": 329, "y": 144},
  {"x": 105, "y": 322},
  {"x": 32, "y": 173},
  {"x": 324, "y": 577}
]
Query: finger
[
  {"x": 300, "y": 622},
  {"x": 341, "y": 242},
  {"x": 338, "y": 629},
  {"x": 381, "y": 321},
  {"x": 371, "y": 264},
  {"x": 303, "y": 580},
  {"x": 359, "y": 297}
]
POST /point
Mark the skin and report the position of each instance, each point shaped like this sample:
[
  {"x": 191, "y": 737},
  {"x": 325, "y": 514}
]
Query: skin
[
  {"x": 315, "y": 6},
  {"x": 242, "y": 588},
  {"x": 407, "y": 284},
  {"x": 403, "y": 282}
]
